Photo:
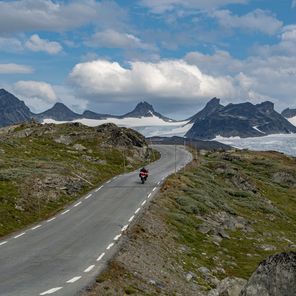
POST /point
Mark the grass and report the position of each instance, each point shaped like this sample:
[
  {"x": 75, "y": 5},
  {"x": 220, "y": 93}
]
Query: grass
[{"x": 39, "y": 176}]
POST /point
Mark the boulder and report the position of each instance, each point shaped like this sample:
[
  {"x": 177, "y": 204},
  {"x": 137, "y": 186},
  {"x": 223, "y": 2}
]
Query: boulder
[
  {"x": 230, "y": 286},
  {"x": 275, "y": 276}
]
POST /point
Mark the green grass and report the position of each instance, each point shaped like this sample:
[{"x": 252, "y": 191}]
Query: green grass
[
  {"x": 202, "y": 191},
  {"x": 27, "y": 162}
]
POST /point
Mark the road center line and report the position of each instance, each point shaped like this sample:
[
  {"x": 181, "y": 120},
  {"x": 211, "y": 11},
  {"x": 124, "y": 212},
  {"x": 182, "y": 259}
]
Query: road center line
[
  {"x": 89, "y": 268},
  {"x": 110, "y": 246},
  {"x": 143, "y": 202},
  {"x": 87, "y": 197},
  {"x": 67, "y": 211},
  {"x": 79, "y": 203},
  {"x": 51, "y": 291},
  {"x": 131, "y": 218},
  {"x": 3, "y": 243},
  {"x": 33, "y": 228},
  {"x": 73, "y": 280},
  {"x": 49, "y": 220},
  {"x": 98, "y": 189},
  {"x": 17, "y": 236},
  {"x": 100, "y": 257},
  {"x": 154, "y": 189},
  {"x": 137, "y": 210},
  {"x": 149, "y": 195},
  {"x": 108, "y": 181},
  {"x": 117, "y": 237}
]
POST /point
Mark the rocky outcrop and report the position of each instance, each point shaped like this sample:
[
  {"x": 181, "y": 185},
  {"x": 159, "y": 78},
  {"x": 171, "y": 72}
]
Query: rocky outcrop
[
  {"x": 12, "y": 110},
  {"x": 275, "y": 276},
  {"x": 242, "y": 120},
  {"x": 230, "y": 286}
]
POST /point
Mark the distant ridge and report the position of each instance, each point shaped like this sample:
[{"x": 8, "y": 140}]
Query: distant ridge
[{"x": 289, "y": 113}]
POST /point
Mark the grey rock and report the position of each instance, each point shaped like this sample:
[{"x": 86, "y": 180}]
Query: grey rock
[
  {"x": 275, "y": 276},
  {"x": 230, "y": 286},
  {"x": 203, "y": 270},
  {"x": 268, "y": 247},
  {"x": 79, "y": 147},
  {"x": 66, "y": 140}
]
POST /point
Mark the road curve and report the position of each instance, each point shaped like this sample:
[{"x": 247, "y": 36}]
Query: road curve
[{"x": 63, "y": 255}]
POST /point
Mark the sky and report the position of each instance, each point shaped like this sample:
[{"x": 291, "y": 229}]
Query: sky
[{"x": 107, "y": 56}]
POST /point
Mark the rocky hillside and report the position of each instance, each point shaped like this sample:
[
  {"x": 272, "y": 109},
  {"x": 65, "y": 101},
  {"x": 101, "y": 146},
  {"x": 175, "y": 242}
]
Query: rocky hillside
[
  {"x": 43, "y": 167},
  {"x": 208, "y": 230},
  {"x": 12, "y": 110},
  {"x": 239, "y": 120}
]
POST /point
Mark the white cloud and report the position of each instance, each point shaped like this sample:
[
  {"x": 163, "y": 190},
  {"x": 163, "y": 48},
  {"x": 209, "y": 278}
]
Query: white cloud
[
  {"x": 255, "y": 78},
  {"x": 293, "y": 4},
  {"x": 35, "y": 43},
  {"x": 36, "y": 94},
  {"x": 15, "y": 69},
  {"x": 171, "y": 80},
  {"x": 49, "y": 15},
  {"x": 161, "y": 6},
  {"x": 10, "y": 44},
  {"x": 114, "y": 39},
  {"x": 258, "y": 20}
]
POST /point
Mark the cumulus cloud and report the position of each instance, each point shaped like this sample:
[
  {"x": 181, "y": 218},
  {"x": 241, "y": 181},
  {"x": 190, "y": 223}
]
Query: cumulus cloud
[
  {"x": 170, "y": 81},
  {"x": 258, "y": 20},
  {"x": 36, "y": 94},
  {"x": 161, "y": 6},
  {"x": 114, "y": 39},
  {"x": 49, "y": 15},
  {"x": 256, "y": 78},
  {"x": 15, "y": 69},
  {"x": 35, "y": 43}
]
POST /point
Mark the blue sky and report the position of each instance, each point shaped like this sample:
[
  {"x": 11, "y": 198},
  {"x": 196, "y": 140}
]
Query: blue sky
[{"x": 176, "y": 54}]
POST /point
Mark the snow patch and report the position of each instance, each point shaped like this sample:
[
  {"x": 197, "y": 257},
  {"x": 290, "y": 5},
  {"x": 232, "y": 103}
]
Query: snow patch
[
  {"x": 148, "y": 126},
  {"x": 258, "y": 130},
  {"x": 292, "y": 120}
]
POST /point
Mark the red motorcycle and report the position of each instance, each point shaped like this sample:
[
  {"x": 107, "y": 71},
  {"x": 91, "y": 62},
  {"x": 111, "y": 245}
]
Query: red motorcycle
[{"x": 143, "y": 176}]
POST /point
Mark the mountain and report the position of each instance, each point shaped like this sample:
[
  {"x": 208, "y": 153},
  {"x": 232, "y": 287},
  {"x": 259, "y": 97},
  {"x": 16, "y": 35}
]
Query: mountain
[
  {"x": 59, "y": 112},
  {"x": 12, "y": 110},
  {"x": 289, "y": 113},
  {"x": 144, "y": 109},
  {"x": 242, "y": 120},
  {"x": 93, "y": 115},
  {"x": 212, "y": 106}
]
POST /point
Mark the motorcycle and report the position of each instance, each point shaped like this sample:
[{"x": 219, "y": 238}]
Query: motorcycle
[{"x": 143, "y": 176}]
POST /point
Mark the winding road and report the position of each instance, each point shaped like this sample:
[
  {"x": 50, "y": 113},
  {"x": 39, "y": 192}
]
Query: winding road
[{"x": 64, "y": 254}]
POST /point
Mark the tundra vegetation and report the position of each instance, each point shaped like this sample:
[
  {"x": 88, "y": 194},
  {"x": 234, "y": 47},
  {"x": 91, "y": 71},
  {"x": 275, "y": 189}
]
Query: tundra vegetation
[
  {"x": 45, "y": 167},
  {"x": 216, "y": 220}
]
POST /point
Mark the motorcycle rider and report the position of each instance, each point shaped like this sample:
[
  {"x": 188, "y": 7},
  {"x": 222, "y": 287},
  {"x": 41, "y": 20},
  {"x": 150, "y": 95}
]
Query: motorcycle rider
[{"x": 143, "y": 173}]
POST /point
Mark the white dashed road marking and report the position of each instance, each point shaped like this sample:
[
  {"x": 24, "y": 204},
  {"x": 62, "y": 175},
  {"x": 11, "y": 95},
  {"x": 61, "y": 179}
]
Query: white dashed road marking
[
  {"x": 98, "y": 189},
  {"x": 76, "y": 205},
  {"x": 67, "y": 211},
  {"x": 131, "y": 219},
  {"x": 51, "y": 291},
  {"x": 74, "y": 279},
  {"x": 33, "y": 228},
  {"x": 137, "y": 210},
  {"x": 87, "y": 197},
  {"x": 3, "y": 243},
  {"x": 154, "y": 189},
  {"x": 124, "y": 228},
  {"x": 117, "y": 237},
  {"x": 143, "y": 202},
  {"x": 49, "y": 220},
  {"x": 149, "y": 195},
  {"x": 110, "y": 246},
  {"x": 100, "y": 257},
  {"x": 17, "y": 236},
  {"x": 91, "y": 267}
]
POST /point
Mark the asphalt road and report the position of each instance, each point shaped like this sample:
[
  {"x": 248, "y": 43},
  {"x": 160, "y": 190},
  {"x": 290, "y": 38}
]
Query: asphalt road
[{"x": 64, "y": 254}]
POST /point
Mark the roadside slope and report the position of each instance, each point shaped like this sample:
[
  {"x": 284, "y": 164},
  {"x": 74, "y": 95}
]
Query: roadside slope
[{"x": 219, "y": 218}]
